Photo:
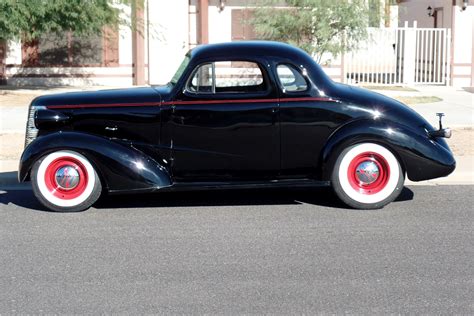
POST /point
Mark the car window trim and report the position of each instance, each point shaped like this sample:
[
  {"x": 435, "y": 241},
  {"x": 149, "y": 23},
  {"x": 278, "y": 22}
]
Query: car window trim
[
  {"x": 213, "y": 77},
  {"x": 267, "y": 82},
  {"x": 280, "y": 84}
]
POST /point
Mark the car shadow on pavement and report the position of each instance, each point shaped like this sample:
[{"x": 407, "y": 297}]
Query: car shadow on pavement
[
  {"x": 22, "y": 196},
  {"x": 236, "y": 197},
  {"x": 321, "y": 196}
]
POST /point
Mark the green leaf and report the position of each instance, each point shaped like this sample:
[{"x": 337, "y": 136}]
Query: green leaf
[
  {"x": 316, "y": 26},
  {"x": 29, "y": 19}
]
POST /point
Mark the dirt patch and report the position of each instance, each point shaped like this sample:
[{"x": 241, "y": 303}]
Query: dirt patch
[
  {"x": 11, "y": 146},
  {"x": 461, "y": 143},
  {"x": 390, "y": 88},
  {"x": 417, "y": 99},
  {"x": 16, "y": 99}
]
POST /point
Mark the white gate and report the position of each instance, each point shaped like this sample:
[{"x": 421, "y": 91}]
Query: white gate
[
  {"x": 432, "y": 56},
  {"x": 403, "y": 55}
]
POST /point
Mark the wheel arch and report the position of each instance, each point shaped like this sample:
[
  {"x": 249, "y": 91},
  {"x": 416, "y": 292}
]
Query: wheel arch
[
  {"x": 420, "y": 157},
  {"x": 119, "y": 167}
]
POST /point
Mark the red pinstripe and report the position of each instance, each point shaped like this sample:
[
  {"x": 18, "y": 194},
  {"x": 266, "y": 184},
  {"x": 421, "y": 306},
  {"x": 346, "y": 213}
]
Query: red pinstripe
[{"x": 76, "y": 106}]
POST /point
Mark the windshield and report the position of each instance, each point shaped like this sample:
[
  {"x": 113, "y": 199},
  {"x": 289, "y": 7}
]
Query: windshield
[{"x": 180, "y": 70}]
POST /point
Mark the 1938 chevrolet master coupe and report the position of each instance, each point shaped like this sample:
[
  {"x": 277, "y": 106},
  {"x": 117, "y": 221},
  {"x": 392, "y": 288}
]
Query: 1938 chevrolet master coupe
[{"x": 235, "y": 115}]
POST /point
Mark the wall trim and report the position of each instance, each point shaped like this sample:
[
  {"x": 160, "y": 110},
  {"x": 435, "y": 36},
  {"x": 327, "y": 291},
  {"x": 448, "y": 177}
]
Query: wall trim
[
  {"x": 71, "y": 66},
  {"x": 69, "y": 76}
]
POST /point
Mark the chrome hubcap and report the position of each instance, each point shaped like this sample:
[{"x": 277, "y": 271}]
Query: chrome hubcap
[
  {"x": 67, "y": 177},
  {"x": 367, "y": 172}
]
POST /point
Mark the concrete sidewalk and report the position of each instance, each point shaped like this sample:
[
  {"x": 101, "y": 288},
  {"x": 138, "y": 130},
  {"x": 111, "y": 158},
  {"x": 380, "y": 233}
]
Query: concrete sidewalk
[{"x": 457, "y": 104}]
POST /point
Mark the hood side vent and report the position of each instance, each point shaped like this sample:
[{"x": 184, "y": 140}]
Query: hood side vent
[{"x": 31, "y": 130}]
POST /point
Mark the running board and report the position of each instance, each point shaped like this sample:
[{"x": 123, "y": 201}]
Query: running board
[{"x": 287, "y": 183}]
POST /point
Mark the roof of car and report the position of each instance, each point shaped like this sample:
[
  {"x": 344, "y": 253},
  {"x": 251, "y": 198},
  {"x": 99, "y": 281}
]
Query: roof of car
[{"x": 247, "y": 48}]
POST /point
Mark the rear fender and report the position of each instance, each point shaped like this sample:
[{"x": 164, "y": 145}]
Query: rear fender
[
  {"x": 421, "y": 157},
  {"x": 120, "y": 166}
]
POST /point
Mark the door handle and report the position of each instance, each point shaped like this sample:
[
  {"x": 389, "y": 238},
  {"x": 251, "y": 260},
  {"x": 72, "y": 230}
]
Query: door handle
[{"x": 274, "y": 115}]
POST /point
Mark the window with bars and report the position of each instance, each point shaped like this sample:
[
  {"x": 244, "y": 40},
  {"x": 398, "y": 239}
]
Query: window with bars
[{"x": 68, "y": 50}]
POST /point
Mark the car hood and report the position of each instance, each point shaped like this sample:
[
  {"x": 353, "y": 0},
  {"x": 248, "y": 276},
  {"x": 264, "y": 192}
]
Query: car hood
[{"x": 101, "y": 97}]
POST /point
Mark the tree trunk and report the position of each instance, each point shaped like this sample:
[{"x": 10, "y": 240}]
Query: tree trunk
[{"x": 3, "y": 56}]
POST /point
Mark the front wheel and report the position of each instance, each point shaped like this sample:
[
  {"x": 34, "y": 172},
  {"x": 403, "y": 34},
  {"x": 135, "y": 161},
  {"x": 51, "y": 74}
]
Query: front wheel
[
  {"x": 65, "y": 181},
  {"x": 367, "y": 176}
]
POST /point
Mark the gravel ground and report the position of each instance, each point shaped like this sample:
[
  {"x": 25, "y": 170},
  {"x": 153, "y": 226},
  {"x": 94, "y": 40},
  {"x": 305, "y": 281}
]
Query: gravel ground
[
  {"x": 8, "y": 98},
  {"x": 11, "y": 146},
  {"x": 462, "y": 141}
]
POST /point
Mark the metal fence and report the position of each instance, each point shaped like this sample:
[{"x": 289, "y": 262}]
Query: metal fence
[{"x": 401, "y": 55}]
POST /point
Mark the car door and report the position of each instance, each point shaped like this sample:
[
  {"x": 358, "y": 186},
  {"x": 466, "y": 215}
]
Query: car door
[
  {"x": 307, "y": 118},
  {"x": 224, "y": 124}
]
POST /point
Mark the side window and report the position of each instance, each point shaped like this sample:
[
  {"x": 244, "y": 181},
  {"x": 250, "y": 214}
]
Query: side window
[
  {"x": 228, "y": 77},
  {"x": 291, "y": 79},
  {"x": 202, "y": 79},
  {"x": 238, "y": 77}
]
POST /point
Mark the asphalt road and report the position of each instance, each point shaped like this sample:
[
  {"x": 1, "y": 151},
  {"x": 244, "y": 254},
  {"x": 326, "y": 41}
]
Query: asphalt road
[{"x": 240, "y": 252}]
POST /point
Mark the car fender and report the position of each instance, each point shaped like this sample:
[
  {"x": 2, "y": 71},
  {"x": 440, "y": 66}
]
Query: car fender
[
  {"x": 120, "y": 166},
  {"x": 420, "y": 156}
]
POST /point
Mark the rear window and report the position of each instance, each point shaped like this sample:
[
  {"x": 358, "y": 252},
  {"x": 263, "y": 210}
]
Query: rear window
[{"x": 291, "y": 79}]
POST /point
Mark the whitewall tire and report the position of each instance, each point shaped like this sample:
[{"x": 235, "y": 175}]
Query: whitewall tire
[
  {"x": 367, "y": 176},
  {"x": 65, "y": 181}
]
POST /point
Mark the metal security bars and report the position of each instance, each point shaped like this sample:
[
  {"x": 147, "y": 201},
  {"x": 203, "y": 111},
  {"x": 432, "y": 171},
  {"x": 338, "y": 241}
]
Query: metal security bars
[{"x": 401, "y": 55}]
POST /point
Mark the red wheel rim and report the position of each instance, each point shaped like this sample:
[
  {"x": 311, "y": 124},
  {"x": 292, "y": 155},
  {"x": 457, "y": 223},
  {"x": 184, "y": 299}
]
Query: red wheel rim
[
  {"x": 52, "y": 184},
  {"x": 380, "y": 179}
]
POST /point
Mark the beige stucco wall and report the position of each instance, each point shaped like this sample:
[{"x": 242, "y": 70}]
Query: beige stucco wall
[
  {"x": 169, "y": 38},
  {"x": 462, "y": 31},
  {"x": 462, "y": 47},
  {"x": 416, "y": 10}
]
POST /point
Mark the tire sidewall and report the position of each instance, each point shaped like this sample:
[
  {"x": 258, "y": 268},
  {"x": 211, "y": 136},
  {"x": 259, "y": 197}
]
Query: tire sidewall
[
  {"x": 90, "y": 195},
  {"x": 352, "y": 197}
]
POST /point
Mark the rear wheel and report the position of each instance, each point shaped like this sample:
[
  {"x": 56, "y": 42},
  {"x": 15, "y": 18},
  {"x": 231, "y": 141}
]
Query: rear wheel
[
  {"x": 65, "y": 181},
  {"x": 367, "y": 176}
]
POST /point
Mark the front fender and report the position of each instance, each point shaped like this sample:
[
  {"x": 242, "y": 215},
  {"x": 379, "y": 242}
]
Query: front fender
[
  {"x": 421, "y": 157},
  {"x": 120, "y": 166}
]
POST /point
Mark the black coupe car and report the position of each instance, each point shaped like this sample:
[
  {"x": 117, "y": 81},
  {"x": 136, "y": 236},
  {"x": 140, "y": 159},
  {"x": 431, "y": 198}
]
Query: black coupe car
[{"x": 235, "y": 115}]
